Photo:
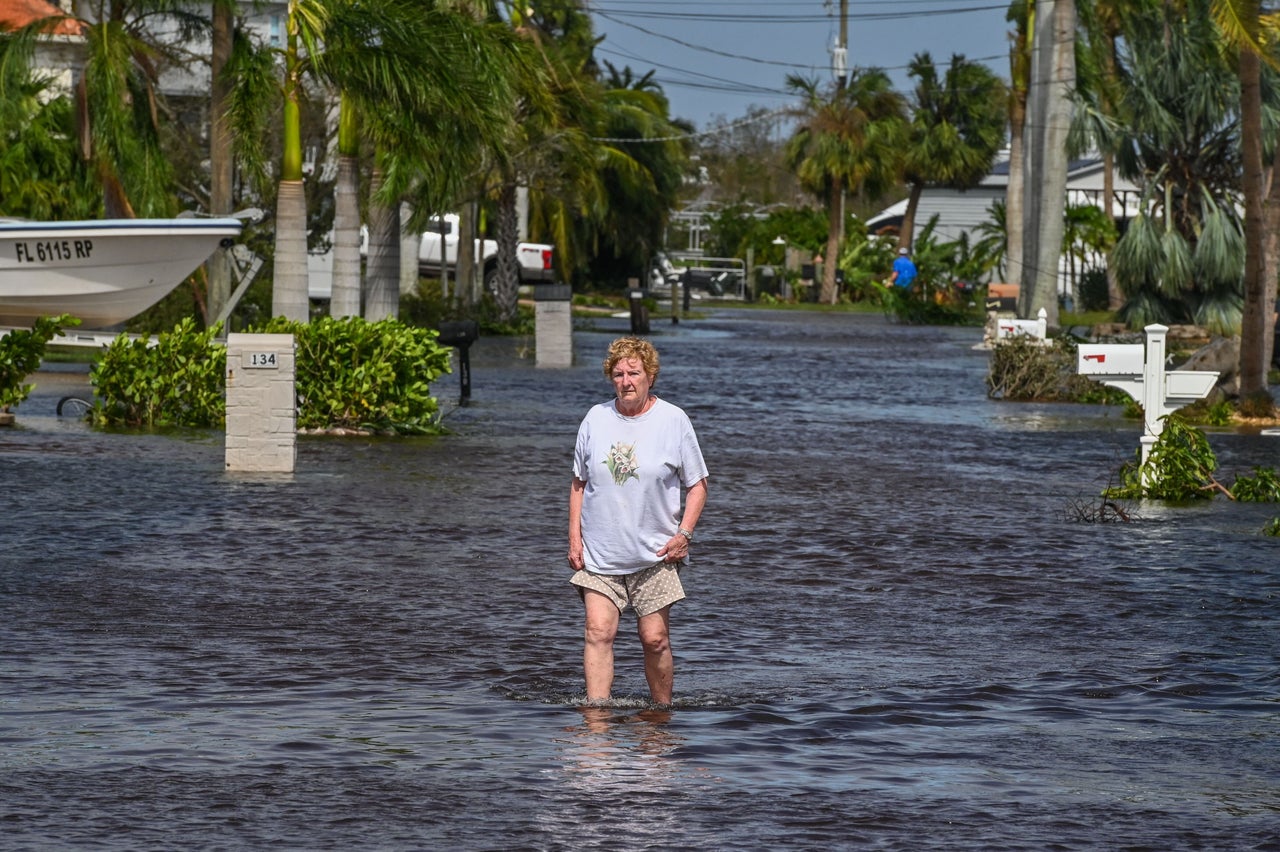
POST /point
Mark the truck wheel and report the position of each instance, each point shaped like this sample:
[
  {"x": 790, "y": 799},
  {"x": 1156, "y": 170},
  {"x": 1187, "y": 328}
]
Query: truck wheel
[{"x": 491, "y": 280}]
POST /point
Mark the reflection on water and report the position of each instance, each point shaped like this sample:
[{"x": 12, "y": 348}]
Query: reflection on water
[
  {"x": 612, "y": 748},
  {"x": 895, "y": 635}
]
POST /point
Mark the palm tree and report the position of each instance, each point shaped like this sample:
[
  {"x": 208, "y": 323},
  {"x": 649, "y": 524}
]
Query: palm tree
[
  {"x": 401, "y": 66},
  {"x": 1242, "y": 25},
  {"x": 848, "y": 139},
  {"x": 1099, "y": 97},
  {"x": 221, "y": 145},
  {"x": 1182, "y": 145},
  {"x": 640, "y": 172},
  {"x": 433, "y": 154},
  {"x": 1022, "y": 15},
  {"x": 956, "y": 131},
  {"x": 119, "y": 120},
  {"x": 1049, "y": 122}
]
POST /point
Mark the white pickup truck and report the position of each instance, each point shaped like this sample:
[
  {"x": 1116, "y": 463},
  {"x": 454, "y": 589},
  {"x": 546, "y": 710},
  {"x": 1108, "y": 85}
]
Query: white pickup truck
[{"x": 535, "y": 259}]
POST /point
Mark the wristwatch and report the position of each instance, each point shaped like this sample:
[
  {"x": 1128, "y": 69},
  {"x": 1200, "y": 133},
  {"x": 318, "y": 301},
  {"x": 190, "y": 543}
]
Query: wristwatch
[{"x": 688, "y": 534}]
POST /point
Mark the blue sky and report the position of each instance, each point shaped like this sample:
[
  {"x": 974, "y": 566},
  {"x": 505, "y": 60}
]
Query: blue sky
[{"x": 716, "y": 58}]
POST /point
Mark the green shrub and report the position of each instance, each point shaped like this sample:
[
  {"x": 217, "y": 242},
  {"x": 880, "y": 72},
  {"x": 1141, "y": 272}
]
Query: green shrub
[
  {"x": 178, "y": 381},
  {"x": 914, "y": 308},
  {"x": 21, "y": 352},
  {"x": 1217, "y": 413},
  {"x": 1180, "y": 467},
  {"x": 1093, "y": 290},
  {"x": 356, "y": 374},
  {"x": 350, "y": 373},
  {"x": 427, "y": 308},
  {"x": 1272, "y": 527},
  {"x": 1262, "y": 487}
]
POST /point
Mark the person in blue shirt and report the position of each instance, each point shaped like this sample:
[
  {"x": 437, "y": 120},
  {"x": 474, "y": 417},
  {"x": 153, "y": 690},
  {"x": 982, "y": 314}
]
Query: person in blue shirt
[{"x": 904, "y": 271}]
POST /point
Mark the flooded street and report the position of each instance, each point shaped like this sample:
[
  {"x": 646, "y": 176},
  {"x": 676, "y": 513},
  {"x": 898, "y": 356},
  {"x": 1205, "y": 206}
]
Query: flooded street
[{"x": 896, "y": 634}]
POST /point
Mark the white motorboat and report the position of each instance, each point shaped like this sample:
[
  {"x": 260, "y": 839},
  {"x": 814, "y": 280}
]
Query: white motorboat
[{"x": 102, "y": 271}]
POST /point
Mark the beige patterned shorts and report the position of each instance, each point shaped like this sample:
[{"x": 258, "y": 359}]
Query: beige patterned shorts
[{"x": 645, "y": 591}]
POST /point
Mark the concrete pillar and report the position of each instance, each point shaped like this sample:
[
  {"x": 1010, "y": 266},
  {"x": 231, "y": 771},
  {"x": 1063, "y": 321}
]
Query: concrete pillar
[
  {"x": 553, "y": 317},
  {"x": 262, "y": 432}
]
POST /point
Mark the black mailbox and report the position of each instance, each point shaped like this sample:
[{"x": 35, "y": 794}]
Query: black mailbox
[{"x": 461, "y": 334}]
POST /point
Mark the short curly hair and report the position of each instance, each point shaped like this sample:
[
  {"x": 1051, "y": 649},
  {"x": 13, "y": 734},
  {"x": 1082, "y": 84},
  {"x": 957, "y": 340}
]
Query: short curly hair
[{"x": 632, "y": 347}]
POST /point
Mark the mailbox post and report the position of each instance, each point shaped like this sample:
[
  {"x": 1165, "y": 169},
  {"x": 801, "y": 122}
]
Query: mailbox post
[
  {"x": 262, "y": 404},
  {"x": 553, "y": 321},
  {"x": 461, "y": 335},
  {"x": 1139, "y": 371}
]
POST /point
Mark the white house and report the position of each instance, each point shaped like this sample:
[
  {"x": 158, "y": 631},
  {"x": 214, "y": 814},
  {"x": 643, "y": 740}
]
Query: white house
[
  {"x": 966, "y": 211},
  {"x": 60, "y": 52}
]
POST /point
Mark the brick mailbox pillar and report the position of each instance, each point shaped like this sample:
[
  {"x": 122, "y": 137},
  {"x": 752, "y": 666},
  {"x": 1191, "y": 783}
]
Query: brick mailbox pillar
[
  {"x": 553, "y": 316},
  {"x": 262, "y": 406}
]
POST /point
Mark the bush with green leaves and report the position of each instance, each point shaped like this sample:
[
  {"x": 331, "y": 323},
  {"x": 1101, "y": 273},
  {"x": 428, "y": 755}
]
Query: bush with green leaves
[
  {"x": 177, "y": 380},
  {"x": 21, "y": 351},
  {"x": 1262, "y": 487},
  {"x": 349, "y": 374},
  {"x": 361, "y": 375},
  {"x": 1179, "y": 469}
]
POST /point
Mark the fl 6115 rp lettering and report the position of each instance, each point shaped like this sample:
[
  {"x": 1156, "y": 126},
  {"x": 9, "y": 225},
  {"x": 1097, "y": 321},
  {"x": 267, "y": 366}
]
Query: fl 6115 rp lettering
[{"x": 43, "y": 251}]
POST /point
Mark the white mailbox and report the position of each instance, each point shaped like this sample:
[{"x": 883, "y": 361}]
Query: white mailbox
[
  {"x": 1111, "y": 359},
  {"x": 1188, "y": 385},
  {"x": 1139, "y": 371},
  {"x": 1037, "y": 329}
]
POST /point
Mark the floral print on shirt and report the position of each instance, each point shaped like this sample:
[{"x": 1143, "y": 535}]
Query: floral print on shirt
[{"x": 622, "y": 462}]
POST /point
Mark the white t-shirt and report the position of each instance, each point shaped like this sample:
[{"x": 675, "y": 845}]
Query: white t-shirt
[{"x": 634, "y": 468}]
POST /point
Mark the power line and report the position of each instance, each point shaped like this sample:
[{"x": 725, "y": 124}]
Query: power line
[
  {"x": 724, "y": 128},
  {"x": 752, "y": 59},
  {"x": 896, "y": 13}
]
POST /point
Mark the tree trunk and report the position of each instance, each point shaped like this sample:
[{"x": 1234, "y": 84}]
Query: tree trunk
[
  {"x": 221, "y": 161},
  {"x": 383, "y": 273},
  {"x": 1014, "y": 203},
  {"x": 289, "y": 281},
  {"x": 508, "y": 274},
  {"x": 1271, "y": 256},
  {"x": 1115, "y": 298},
  {"x": 906, "y": 234},
  {"x": 835, "y": 235},
  {"x": 289, "y": 277},
  {"x": 344, "y": 299},
  {"x": 410, "y": 245},
  {"x": 1055, "y": 35},
  {"x": 468, "y": 292},
  {"x": 1257, "y": 289}
]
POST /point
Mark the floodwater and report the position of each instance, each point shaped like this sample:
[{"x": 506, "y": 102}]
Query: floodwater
[{"x": 898, "y": 635}]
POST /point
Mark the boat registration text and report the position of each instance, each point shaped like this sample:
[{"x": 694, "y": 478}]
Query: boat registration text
[{"x": 43, "y": 251}]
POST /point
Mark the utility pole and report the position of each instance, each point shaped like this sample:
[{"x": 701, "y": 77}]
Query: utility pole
[
  {"x": 836, "y": 196},
  {"x": 840, "y": 53}
]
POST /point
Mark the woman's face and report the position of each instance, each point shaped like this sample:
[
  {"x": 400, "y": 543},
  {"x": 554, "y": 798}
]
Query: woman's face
[{"x": 630, "y": 384}]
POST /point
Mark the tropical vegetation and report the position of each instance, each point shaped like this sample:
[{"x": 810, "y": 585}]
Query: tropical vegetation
[
  {"x": 350, "y": 374},
  {"x": 375, "y": 117},
  {"x": 21, "y": 351}
]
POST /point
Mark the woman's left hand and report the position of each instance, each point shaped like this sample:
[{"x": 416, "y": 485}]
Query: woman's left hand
[{"x": 676, "y": 549}]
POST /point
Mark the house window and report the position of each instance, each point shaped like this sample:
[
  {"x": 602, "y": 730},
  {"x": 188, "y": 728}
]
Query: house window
[{"x": 275, "y": 31}]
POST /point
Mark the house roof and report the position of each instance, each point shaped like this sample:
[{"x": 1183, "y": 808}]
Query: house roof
[{"x": 15, "y": 14}]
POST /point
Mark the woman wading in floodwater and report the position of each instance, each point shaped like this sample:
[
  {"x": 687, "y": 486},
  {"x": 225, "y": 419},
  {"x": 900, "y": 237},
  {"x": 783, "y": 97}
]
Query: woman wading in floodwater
[{"x": 627, "y": 536}]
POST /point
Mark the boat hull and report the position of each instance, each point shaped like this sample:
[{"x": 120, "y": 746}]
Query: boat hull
[{"x": 103, "y": 272}]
